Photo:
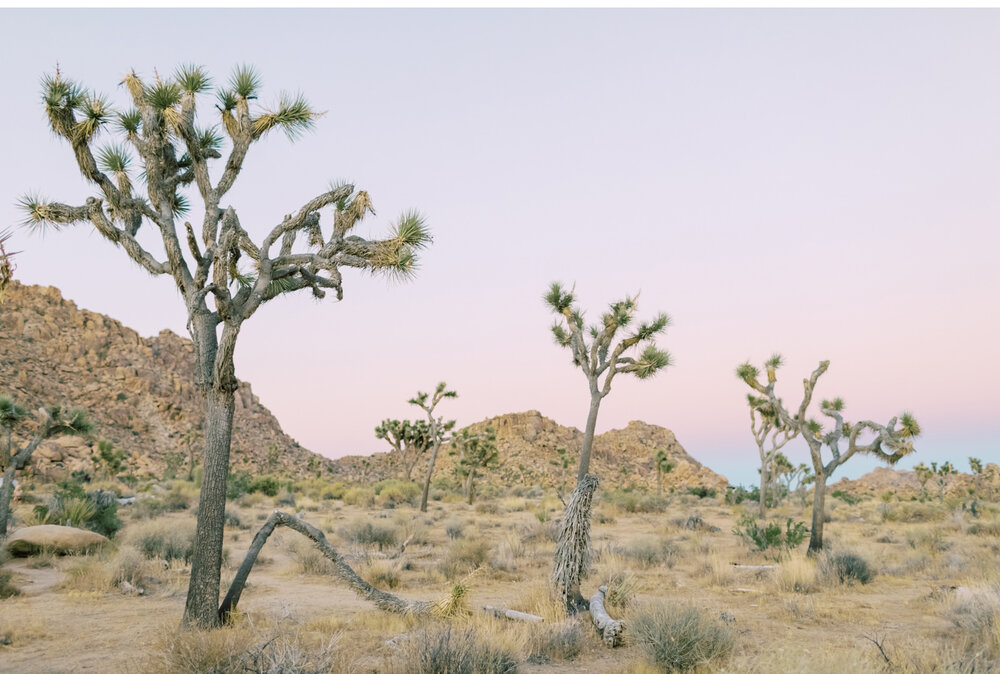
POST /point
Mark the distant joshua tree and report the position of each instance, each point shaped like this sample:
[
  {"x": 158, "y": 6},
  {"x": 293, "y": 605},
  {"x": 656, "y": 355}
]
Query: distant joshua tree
[
  {"x": 223, "y": 276},
  {"x": 427, "y": 402},
  {"x": 477, "y": 451},
  {"x": 889, "y": 443},
  {"x": 924, "y": 475},
  {"x": 663, "y": 466},
  {"x": 190, "y": 439},
  {"x": 596, "y": 353},
  {"x": 51, "y": 421},
  {"x": 109, "y": 459},
  {"x": 409, "y": 439},
  {"x": 770, "y": 435},
  {"x": 942, "y": 473}
]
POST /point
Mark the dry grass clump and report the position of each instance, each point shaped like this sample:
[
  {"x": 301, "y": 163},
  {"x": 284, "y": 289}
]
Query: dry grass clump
[
  {"x": 797, "y": 574},
  {"x": 509, "y": 553},
  {"x": 243, "y": 648},
  {"x": 454, "y": 527},
  {"x": 680, "y": 639},
  {"x": 382, "y": 573},
  {"x": 930, "y": 540},
  {"x": 984, "y": 529},
  {"x": 463, "y": 556},
  {"x": 163, "y": 539},
  {"x": 360, "y": 496},
  {"x": 649, "y": 551},
  {"x": 717, "y": 571},
  {"x": 16, "y": 632},
  {"x": 562, "y": 641},
  {"x": 449, "y": 650},
  {"x": 363, "y": 531},
  {"x": 309, "y": 561},
  {"x": 7, "y": 587},
  {"x": 537, "y": 599},
  {"x": 976, "y": 615},
  {"x": 912, "y": 511}
]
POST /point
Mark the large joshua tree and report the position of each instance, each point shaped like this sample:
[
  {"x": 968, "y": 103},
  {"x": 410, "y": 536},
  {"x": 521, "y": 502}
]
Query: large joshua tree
[
  {"x": 770, "y": 435},
  {"x": 889, "y": 442},
  {"x": 408, "y": 439},
  {"x": 51, "y": 421},
  {"x": 428, "y": 402},
  {"x": 157, "y": 154},
  {"x": 595, "y": 351}
]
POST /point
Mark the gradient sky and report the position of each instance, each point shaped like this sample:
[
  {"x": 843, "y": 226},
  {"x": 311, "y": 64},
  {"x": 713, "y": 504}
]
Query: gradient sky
[{"x": 819, "y": 183}]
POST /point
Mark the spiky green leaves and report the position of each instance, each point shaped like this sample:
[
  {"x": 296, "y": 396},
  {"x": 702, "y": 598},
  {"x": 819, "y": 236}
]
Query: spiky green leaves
[
  {"x": 293, "y": 115},
  {"x": 192, "y": 79},
  {"x": 814, "y": 427},
  {"x": 909, "y": 427},
  {"x": 11, "y": 414},
  {"x": 114, "y": 159},
  {"x": 40, "y": 213},
  {"x": 245, "y": 81},
  {"x": 61, "y": 421},
  {"x": 396, "y": 256},
  {"x": 130, "y": 121},
  {"x": 835, "y": 405},
  {"x": 747, "y": 372},
  {"x": 95, "y": 112},
  {"x": 209, "y": 139},
  {"x": 558, "y": 299},
  {"x": 74, "y": 112},
  {"x": 774, "y": 362},
  {"x": 650, "y": 362},
  {"x": 7, "y": 266},
  {"x": 164, "y": 95},
  {"x": 656, "y": 326}
]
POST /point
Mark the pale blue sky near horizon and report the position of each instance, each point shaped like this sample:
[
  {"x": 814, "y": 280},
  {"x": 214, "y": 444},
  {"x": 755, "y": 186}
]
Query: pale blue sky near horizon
[{"x": 816, "y": 182}]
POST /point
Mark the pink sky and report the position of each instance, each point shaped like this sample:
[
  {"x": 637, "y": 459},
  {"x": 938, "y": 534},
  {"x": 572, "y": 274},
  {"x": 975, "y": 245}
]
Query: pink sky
[{"x": 819, "y": 183}]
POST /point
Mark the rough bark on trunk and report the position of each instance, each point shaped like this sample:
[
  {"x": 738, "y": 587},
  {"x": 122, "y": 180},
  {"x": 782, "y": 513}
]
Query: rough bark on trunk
[
  {"x": 206, "y": 562},
  {"x": 572, "y": 557},
  {"x": 610, "y": 629},
  {"x": 819, "y": 512},
  {"x": 383, "y": 600},
  {"x": 588, "y": 434},
  {"x": 762, "y": 510},
  {"x": 430, "y": 464},
  {"x": 468, "y": 487}
]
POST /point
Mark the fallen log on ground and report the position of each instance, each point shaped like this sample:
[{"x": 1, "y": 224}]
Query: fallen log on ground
[
  {"x": 610, "y": 629},
  {"x": 511, "y": 614},
  {"x": 383, "y": 600}
]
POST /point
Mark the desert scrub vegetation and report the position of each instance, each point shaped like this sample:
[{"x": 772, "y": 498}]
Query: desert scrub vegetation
[
  {"x": 364, "y": 531},
  {"x": 679, "y": 638},
  {"x": 770, "y": 536},
  {"x": 561, "y": 641},
  {"x": 165, "y": 539},
  {"x": 845, "y": 567},
  {"x": 797, "y": 573},
  {"x": 464, "y": 555},
  {"x": 976, "y": 616},
  {"x": 451, "y": 650},
  {"x": 7, "y": 588}
]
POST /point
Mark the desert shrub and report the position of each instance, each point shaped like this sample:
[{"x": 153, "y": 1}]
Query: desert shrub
[
  {"x": 931, "y": 540},
  {"x": 454, "y": 528},
  {"x": 845, "y": 567},
  {"x": 772, "y": 535},
  {"x": 127, "y": 566},
  {"x": 392, "y": 493},
  {"x": 912, "y": 511},
  {"x": 238, "y": 483},
  {"x": 680, "y": 639},
  {"x": 269, "y": 485},
  {"x": 7, "y": 588},
  {"x": 334, "y": 490},
  {"x": 235, "y": 520},
  {"x": 648, "y": 551},
  {"x": 166, "y": 540},
  {"x": 694, "y": 523},
  {"x": 463, "y": 556},
  {"x": 285, "y": 498},
  {"x": 562, "y": 641},
  {"x": 366, "y": 532},
  {"x": 360, "y": 496},
  {"x": 488, "y": 507},
  {"x": 847, "y": 498},
  {"x": 701, "y": 492},
  {"x": 452, "y": 651},
  {"x": 71, "y": 505},
  {"x": 508, "y": 553},
  {"x": 739, "y": 494},
  {"x": 976, "y": 616},
  {"x": 309, "y": 561}
]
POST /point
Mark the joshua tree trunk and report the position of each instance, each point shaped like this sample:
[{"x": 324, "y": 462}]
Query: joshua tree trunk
[
  {"x": 763, "y": 490},
  {"x": 819, "y": 512},
  {"x": 6, "y": 493},
  {"x": 572, "y": 556},
  {"x": 588, "y": 434},
  {"x": 468, "y": 486},
  {"x": 659, "y": 483},
  {"x": 430, "y": 465}
]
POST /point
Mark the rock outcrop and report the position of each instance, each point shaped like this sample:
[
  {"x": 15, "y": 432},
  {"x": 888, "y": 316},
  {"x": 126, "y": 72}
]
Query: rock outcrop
[
  {"x": 52, "y": 538},
  {"x": 140, "y": 392}
]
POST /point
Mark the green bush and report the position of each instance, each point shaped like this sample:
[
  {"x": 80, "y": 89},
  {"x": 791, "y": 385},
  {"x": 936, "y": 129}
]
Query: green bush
[
  {"x": 395, "y": 492},
  {"x": 360, "y": 496},
  {"x": 846, "y": 498},
  {"x": 845, "y": 567},
  {"x": 680, "y": 639},
  {"x": 772, "y": 535},
  {"x": 238, "y": 483},
  {"x": 366, "y": 532},
  {"x": 701, "y": 492},
  {"x": 269, "y": 485},
  {"x": 163, "y": 540}
]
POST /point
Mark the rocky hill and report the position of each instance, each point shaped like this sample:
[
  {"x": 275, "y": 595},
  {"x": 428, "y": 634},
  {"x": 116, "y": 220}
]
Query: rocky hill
[
  {"x": 904, "y": 483},
  {"x": 139, "y": 391},
  {"x": 528, "y": 445}
]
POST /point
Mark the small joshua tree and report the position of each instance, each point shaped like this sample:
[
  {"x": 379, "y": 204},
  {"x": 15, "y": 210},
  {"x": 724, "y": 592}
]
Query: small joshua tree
[
  {"x": 409, "y": 440},
  {"x": 663, "y": 466},
  {"x": 942, "y": 473},
  {"x": 165, "y": 154},
  {"x": 595, "y": 351},
  {"x": 52, "y": 421},
  {"x": 109, "y": 459},
  {"x": 427, "y": 402},
  {"x": 7, "y": 266},
  {"x": 924, "y": 475},
  {"x": 477, "y": 451},
  {"x": 889, "y": 442},
  {"x": 769, "y": 434}
]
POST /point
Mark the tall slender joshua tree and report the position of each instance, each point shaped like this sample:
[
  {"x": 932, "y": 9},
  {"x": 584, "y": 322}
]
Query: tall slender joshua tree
[
  {"x": 888, "y": 442},
  {"x": 767, "y": 429},
  {"x": 160, "y": 155},
  {"x": 663, "y": 465},
  {"x": 52, "y": 421},
  {"x": 596, "y": 353},
  {"x": 427, "y": 402}
]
